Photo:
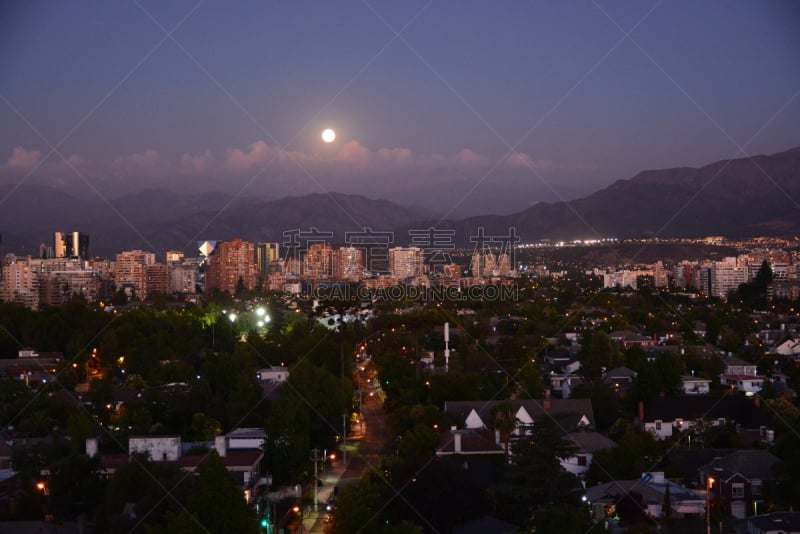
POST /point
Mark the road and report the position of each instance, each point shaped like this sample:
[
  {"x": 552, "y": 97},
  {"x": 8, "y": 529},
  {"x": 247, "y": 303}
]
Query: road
[{"x": 364, "y": 445}]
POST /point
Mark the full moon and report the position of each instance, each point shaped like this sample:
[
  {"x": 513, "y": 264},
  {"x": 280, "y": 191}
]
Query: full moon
[{"x": 328, "y": 135}]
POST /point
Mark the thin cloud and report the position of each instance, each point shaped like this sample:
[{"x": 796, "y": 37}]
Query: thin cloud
[
  {"x": 470, "y": 158},
  {"x": 148, "y": 159},
  {"x": 523, "y": 160},
  {"x": 197, "y": 163},
  {"x": 354, "y": 153},
  {"x": 22, "y": 159}
]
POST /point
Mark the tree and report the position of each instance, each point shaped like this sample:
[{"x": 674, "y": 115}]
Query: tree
[
  {"x": 418, "y": 444},
  {"x": 217, "y": 502},
  {"x": 75, "y": 486},
  {"x": 536, "y": 479},
  {"x": 156, "y": 489},
  {"x": 357, "y": 507},
  {"x": 529, "y": 381},
  {"x": 598, "y": 354},
  {"x": 505, "y": 422}
]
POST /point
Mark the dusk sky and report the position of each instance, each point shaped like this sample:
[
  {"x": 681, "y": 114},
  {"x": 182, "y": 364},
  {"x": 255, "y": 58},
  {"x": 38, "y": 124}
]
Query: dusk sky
[{"x": 531, "y": 100}]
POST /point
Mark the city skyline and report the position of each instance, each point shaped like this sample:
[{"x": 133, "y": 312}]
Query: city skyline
[{"x": 534, "y": 102}]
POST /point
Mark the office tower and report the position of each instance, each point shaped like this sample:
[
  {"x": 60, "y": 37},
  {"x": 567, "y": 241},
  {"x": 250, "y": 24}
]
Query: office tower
[
  {"x": 266, "y": 253},
  {"x": 70, "y": 245}
]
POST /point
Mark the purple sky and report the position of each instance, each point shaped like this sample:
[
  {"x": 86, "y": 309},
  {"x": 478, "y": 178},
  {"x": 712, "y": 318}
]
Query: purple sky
[{"x": 513, "y": 101}]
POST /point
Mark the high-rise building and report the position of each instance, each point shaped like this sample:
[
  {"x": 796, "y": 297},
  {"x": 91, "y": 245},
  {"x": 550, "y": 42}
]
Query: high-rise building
[
  {"x": 727, "y": 275},
  {"x": 70, "y": 245},
  {"x": 232, "y": 264},
  {"x": 348, "y": 263},
  {"x": 130, "y": 271},
  {"x": 623, "y": 278},
  {"x": 157, "y": 278},
  {"x": 489, "y": 264},
  {"x": 57, "y": 287},
  {"x": 451, "y": 271},
  {"x": 173, "y": 256},
  {"x": 476, "y": 265},
  {"x": 682, "y": 274},
  {"x": 702, "y": 277},
  {"x": 20, "y": 282},
  {"x": 504, "y": 264},
  {"x": 405, "y": 262},
  {"x": 318, "y": 262},
  {"x": 183, "y": 277},
  {"x": 266, "y": 253},
  {"x": 660, "y": 275}
]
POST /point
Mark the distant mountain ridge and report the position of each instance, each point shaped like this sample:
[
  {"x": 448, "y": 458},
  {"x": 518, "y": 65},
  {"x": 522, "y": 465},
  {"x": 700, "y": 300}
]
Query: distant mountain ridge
[{"x": 737, "y": 198}]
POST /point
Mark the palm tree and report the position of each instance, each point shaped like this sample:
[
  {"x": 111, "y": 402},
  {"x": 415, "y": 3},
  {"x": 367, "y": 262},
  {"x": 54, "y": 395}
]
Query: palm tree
[{"x": 505, "y": 422}]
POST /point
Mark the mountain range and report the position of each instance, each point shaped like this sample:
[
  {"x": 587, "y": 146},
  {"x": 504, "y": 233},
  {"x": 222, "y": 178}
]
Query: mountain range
[{"x": 744, "y": 197}]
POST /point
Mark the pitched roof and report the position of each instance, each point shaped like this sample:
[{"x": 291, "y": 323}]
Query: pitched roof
[
  {"x": 561, "y": 409},
  {"x": 651, "y": 492},
  {"x": 621, "y": 372},
  {"x": 590, "y": 441},
  {"x": 473, "y": 441},
  {"x": 736, "y": 408},
  {"x": 751, "y": 464},
  {"x": 690, "y": 378},
  {"x": 776, "y": 522},
  {"x": 233, "y": 459}
]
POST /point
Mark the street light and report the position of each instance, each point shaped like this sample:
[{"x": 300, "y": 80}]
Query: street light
[{"x": 709, "y": 483}]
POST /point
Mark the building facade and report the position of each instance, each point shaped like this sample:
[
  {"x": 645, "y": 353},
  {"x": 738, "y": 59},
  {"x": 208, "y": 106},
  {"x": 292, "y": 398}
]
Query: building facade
[{"x": 232, "y": 266}]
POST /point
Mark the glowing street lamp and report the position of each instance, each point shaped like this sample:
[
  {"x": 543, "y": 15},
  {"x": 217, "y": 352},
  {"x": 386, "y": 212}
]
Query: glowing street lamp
[{"x": 709, "y": 483}]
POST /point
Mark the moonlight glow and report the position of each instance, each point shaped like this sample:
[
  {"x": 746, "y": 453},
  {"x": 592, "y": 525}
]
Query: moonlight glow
[{"x": 328, "y": 135}]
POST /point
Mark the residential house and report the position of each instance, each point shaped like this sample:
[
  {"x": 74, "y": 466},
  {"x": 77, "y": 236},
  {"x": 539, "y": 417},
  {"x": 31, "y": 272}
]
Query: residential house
[
  {"x": 276, "y": 373},
  {"x": 469, "y": 441},
  {"x": 586, "y": 444},
  {"x": 563, "y": 359},
  {"x": 620, "y": 379},
  {"x": 666, "y": 416},
  {"x": 695, "y": 385},
  {"x": 632, "y": 339},
  {"x": 5, "y": 457},
  {"x": 564, "y": 382},
  {"x": 739, "y": 478},
  {"x": 742, "y": 376},
  {"x": 774, "y": 523},
  {"x": 737, "y": 366},
  {"x": 652, "y": 487},
  {"x": 787, "y": 347},
  {"x": 241, "y": 451},
  {"x": 572, "y": 414}
]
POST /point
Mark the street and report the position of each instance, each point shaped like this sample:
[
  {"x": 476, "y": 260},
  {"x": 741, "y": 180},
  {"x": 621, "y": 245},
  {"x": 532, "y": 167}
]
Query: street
[{"x": 364, "y": 445}]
